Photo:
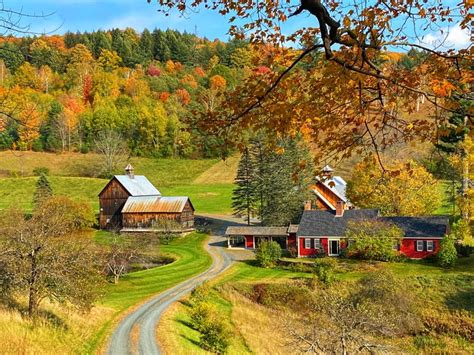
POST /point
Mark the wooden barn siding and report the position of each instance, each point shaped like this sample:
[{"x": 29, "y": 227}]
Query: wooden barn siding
[
  {"x": 111, "y": 201},
  {"x": 144, "y": 220}
]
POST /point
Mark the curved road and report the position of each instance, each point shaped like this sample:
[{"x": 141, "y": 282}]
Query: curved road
[{"x": 146, "y": 317}]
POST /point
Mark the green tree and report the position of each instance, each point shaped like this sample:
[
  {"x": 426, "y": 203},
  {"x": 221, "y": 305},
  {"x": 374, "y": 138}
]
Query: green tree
[
  {"x": 244, "y": 197},
  {"x": 447, "y": 255},
  {"x": 268, "y": 254},
  {"x": 283, "y": 175},
  {"x": 43, "y": 190},
  {"x": 373, "y": 240}
]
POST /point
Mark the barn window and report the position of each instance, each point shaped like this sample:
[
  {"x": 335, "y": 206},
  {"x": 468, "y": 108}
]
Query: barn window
[
  {"x": 429, "y": 245},
  {"x": 419, "y": 245},
  {"x": 317, "y": 244},
  {"x": 307, "y": 243}
]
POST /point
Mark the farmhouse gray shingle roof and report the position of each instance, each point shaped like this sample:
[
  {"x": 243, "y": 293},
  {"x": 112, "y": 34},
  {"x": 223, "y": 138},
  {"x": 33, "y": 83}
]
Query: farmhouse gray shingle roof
[
  {"x": 317, "y": 223},
  {"x": 417, "y": 227}
]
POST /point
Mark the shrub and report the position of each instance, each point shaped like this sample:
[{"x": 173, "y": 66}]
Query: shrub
[
  {"x": 447, "y": 255},
  {"x": 324, "y": 269},
  {"x": 200, "y": 314},
  {"x": 373, "y": 240},
  {"x": 215, "y": 336},
  {"x": 293, "y": 252},
  {"x": 41, "y": 170},
  {"x": 268, "y": 254}
]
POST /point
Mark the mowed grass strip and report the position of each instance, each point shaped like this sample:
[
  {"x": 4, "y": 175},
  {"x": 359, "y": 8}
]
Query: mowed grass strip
[
  {"x": 134, "y": 287},
  {"x": 191, "y": 259}
]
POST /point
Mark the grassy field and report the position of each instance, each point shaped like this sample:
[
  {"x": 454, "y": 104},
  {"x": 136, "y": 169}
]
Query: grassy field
[
  {"x": 442, "y": 290},
  {"x": 208, "y": 182}
]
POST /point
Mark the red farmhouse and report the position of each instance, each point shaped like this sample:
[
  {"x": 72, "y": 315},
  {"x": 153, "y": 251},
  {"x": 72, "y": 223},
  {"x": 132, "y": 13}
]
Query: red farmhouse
[{"x": 323, "y": 231}]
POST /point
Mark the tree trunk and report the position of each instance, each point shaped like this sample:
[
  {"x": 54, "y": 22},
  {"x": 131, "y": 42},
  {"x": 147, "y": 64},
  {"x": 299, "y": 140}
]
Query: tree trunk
[{"x": 33, "y": 298}]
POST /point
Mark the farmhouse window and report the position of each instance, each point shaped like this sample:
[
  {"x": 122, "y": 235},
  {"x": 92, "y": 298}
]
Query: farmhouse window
[
  {"x": 307, "y": 243},
  {"x": 317, "y": 244},
  {"x": 419, "y": 245},
  {"x": 429, "y": 245}
]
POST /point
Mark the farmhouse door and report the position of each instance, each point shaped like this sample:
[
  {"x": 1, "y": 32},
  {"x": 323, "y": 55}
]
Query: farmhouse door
[{"x": 333, "y": 247}]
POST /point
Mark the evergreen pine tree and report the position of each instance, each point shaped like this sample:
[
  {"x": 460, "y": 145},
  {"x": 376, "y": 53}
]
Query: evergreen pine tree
[
  {"x": 282, "y": 180},
  {"x": 243, "y": 195},
  {"x": 43, "y": 190}
]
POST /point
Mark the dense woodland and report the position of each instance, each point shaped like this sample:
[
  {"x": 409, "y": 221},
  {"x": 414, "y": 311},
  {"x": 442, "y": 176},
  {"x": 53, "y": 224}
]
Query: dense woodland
[{"x": 59, "y": 92}]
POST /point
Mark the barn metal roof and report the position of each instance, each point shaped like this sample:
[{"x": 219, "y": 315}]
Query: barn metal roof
[
  {"x": 155, "y": 204},
  {"x": 139, "y": 185},
  {"x": 257, "y": 230}
]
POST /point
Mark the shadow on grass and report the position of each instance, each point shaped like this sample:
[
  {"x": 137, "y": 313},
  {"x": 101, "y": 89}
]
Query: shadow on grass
[
  {"x": 186, "y": 323},
  {"x": 462, "y": 298},
  {"x": 43, "y": 316},
  {"x": 191, "y": 340}
]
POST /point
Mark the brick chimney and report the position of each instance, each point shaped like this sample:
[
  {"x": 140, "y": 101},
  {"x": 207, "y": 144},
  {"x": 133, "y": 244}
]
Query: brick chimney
[
  {"x": 129, "y": 171},
  {"x": 307, "y": 205},
  {"x": 339, "y": 209}
]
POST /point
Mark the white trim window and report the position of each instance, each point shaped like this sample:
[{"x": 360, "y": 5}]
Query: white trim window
[
  {"x": 317, "y": 243},
  {"x": 419, "y": 245},
  {"x": 307, "y": 243},
  {"x": 429, "y": 245}
]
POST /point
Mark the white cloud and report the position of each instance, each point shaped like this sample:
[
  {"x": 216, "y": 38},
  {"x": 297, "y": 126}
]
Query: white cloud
[{"x": 448, "y": 37}]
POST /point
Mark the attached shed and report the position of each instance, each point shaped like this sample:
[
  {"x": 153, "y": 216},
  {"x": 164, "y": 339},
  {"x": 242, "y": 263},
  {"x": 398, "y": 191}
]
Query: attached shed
[
  {"x": 156, "y": 211},
  {"x": 250, "y": 237}
]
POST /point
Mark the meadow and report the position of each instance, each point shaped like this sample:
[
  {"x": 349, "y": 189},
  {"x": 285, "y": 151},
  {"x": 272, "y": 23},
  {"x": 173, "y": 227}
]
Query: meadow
[
  {"x": 444, "y": 294},
  {"x": 208, "y": 182},
  {"x": 62, "y": 329}
]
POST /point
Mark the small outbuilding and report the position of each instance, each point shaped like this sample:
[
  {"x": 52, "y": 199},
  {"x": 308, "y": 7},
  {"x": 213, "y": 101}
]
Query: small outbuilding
[{"x": 131, "y": 203}]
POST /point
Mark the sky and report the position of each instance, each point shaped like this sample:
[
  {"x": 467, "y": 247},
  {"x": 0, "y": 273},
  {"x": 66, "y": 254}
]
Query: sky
[{"x": 89, "y": 15}]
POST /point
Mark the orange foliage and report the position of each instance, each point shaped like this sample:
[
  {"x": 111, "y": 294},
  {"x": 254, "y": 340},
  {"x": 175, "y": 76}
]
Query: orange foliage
[
  {"x": 188, "y": 79},
  {"x": 217, "y": 82},
  {"x": 442, "y": 88},
  {"x": 164, "y": 96},
  {"x": 199, "y": 72},
  {"x": 183, "y": 96}
]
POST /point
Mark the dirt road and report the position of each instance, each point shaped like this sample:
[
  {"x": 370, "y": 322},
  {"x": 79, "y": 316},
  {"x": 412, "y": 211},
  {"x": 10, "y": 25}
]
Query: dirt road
[{"x": 136, "y": 332}]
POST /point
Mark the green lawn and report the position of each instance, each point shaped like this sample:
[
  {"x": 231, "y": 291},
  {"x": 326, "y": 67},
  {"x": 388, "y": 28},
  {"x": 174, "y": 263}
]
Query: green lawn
[
  {"x": 138, "y": 286},
  {"x": 215, "y": 198}
]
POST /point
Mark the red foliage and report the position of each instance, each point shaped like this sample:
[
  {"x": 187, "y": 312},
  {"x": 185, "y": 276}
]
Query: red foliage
[
  {"x": 153, "y": 71},
  {"x": 262, "y": 70},
  {"x": 87, "y": 90}
]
